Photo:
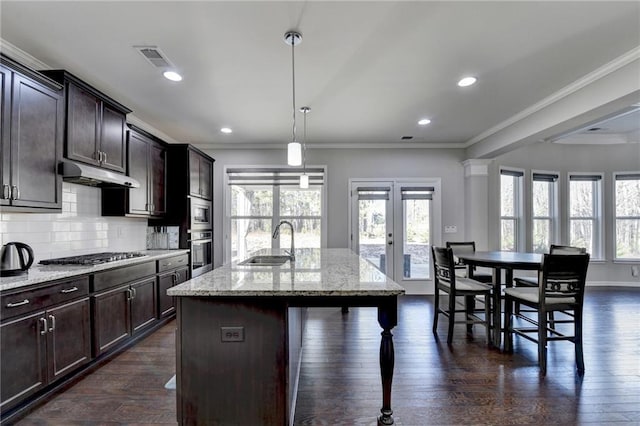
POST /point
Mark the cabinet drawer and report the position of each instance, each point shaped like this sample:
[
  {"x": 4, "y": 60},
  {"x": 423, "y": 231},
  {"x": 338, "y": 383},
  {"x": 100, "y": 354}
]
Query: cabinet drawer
[
  {"x": 114, "y": 277},
  {"x": 173, "y": 262},
  {"x": 21, "y": 302}
]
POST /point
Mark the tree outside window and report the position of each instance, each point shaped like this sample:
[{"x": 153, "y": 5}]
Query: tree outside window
[{"x": 627, "y": 198}]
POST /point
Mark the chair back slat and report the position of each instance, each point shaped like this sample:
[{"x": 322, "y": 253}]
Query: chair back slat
[
  {"x": 462, "y": 247},
  {"x": 564, "y": 275},
  {"x": 557, "y": 249},
  {"x": 444, "y": 265}
]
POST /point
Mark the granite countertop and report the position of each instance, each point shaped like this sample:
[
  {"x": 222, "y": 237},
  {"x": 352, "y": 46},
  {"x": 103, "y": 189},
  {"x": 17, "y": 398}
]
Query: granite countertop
[
  {"x": 42, "y": 273},
  {"x": 315, "y": 272}
]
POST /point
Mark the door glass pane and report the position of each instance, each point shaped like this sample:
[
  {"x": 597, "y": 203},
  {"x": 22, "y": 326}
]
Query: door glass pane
[
  {"x": 541, "y": 233},
  {"x": 249, "y": 235},
  {"x": 372, "y": 227},
  {"x": 416, "y": 249},
  {"x": 508, "y": 235},
  {"x": 582, "y": 234}
]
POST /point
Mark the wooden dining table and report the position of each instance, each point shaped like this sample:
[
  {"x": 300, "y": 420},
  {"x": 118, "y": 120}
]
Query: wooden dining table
[{"x": 499, "y": 261}]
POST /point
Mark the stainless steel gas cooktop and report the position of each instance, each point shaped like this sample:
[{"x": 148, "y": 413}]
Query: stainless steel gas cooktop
[{"x": 91, "y": 259}]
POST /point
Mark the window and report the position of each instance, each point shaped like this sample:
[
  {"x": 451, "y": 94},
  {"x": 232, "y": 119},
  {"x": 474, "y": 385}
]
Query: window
[
  {"x": 543, "y": 210},
  {"x": 585, "y": 213},
  {"x": 259, "y": 198},
  {"x": 627, "y": 199},
  {"x": 511, "y": 210}
]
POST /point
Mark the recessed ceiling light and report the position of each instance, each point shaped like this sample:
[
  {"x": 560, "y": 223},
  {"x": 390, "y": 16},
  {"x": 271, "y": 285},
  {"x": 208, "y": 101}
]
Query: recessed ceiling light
[
  {"x": 226, "y": 130},
  {"x": 467, "y": 81},
  {"x": 172, "y": 75},
  {"x": 424, "y": 122}
]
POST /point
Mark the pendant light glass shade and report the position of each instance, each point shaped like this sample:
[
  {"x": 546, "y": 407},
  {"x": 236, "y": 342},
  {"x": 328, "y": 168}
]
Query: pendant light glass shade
[
  {"x": 304, "y": 181},
  {"x": 294, "y": 154}
]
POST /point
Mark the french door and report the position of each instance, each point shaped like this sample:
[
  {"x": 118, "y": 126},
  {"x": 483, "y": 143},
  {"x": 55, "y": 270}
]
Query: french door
[{"x": 391, "y": 226}]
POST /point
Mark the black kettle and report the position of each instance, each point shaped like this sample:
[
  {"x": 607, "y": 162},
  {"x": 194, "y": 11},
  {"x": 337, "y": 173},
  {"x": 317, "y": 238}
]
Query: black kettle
[{"x": 15, "y": 259}]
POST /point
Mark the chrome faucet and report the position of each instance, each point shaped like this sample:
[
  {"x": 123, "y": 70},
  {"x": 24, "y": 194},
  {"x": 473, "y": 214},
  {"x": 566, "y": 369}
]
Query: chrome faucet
[{"x": 276, "y": 234}]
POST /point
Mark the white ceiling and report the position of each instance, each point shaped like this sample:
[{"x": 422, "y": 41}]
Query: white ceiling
[{"x": 368, "y": 70}]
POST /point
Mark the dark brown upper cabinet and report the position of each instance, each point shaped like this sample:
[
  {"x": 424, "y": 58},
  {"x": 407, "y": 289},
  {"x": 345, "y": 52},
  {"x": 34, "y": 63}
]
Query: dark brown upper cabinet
[
  {"x": 147, "y": 164},
  {"x": 96, "y": 124},
  {"x": 200, "y": 175},
  {"x": 31, "y": 135}
]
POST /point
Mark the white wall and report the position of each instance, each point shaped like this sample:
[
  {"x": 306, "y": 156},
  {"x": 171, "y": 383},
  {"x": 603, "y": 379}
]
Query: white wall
[
  {"x": 344, "y": 164},
  {"x": 573, "y": 158},
  {"x": 79, "y": 229}
]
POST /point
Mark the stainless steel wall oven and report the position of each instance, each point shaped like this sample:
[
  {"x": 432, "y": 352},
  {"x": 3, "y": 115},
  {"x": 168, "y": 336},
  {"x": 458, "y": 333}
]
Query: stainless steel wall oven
[{"x": 201, "y": 243}]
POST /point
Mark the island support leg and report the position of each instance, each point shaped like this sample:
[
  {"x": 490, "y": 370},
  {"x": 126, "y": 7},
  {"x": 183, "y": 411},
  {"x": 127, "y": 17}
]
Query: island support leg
[{"x": 387, "y": 318}]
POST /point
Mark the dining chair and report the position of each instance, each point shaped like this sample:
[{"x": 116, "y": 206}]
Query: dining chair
[
  {"x": 553, "y": 249},
  {"x": 460, "y": 247},
  {"x": 447, "y": 281},
  {"x": 561, "y": 283}
]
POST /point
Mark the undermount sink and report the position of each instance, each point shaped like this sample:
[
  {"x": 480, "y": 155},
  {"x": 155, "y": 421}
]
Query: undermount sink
[{"x": 274, "y": 260}]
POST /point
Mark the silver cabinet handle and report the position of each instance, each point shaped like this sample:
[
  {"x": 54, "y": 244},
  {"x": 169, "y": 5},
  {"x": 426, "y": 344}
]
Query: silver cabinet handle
[
  {"x": 44, "y": 326},
  {"x": 53, "y": 322},
  {"x": 174, "y": 278},
  {"x": 15, "y": 192},
  {"x": 98, "y": 156},
  {"x": 6, "y": 192},
  {"x": 104, "y": 158},
  {"x": 15, "y": 305},
  {"x": 129, "y": 294},
  {"x": 68, "y": 290}
]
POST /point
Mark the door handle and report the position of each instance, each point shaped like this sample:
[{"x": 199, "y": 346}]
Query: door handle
[
  {"x": 44, "y": 326},
  {"x": 390, "y": 242},
  {"x": 53, "y": 323}
]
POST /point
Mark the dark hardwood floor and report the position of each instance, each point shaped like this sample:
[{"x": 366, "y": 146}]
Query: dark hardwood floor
[{"x": 433, "y": 384}]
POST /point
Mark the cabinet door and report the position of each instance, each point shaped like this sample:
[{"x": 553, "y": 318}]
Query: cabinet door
[
  {"x": 83, "y": 125},
  {"x": 69, "y": 337},
  {"x": 166, "y": 303},
  {"x": 139, "y": 170},
  {"x": 157, "y": 162},
  {"x": 36, "y": 137},
  {"x": 112, "y": 143},
  {"x": 22, "y": 368},
  {"x": 194, "y": 173},
  {"x": 143, "y": 304},
  {"x": 111, "y": 319},
  {"x": 206, "y": 168},
  {"x": 5, "y": 115}
]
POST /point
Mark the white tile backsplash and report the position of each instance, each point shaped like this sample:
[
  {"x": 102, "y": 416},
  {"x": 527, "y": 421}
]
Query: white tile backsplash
[{"x": 79, "y": 229}]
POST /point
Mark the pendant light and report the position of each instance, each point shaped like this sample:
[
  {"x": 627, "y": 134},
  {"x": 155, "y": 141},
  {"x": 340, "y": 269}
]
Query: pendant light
[
  {"x": 304, "y": 177},
  {"x": 294, "y": 149}
]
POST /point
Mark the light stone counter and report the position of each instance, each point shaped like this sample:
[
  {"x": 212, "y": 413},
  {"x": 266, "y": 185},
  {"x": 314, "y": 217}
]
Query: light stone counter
[
  {"x": 42, "y": 273},
  {"x": 315, "y": 272}
]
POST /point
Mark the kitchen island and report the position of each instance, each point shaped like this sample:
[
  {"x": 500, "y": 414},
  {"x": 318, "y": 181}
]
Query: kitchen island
[{"x": 240, "y": 331}]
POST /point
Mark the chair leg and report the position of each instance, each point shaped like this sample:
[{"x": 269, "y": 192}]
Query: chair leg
[
  {"x": 552, "y": 322},
  {"x": 470, "y": 307},
  {"x": 508, "y": 333},
  {"x": 436, "y": 311},
  {"x": 542, "y": 342},
  {"x": 578, "y": 340},
  {"x": 487, "y": 317},
  {"x": 452, "y": 317}
]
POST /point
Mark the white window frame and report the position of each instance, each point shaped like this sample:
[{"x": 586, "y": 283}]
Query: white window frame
[
  {"x": 597, "y": 213},
  {"x": 616, "y": 217},
  {"x": 553, "y": 217},
  {"x": 275, "y": 218},
  {"x": 518, "y": 209}
]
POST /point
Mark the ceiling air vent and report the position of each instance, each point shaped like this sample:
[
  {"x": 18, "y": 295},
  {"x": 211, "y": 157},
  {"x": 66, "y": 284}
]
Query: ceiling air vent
[{"x": 155, "y": 56}]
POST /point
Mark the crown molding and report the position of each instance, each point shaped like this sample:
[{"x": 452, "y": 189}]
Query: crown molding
[
  {"x": 21, "y": 56},
  {"x": 331, "y": 146},
  {"x": 608, "y": 68}
]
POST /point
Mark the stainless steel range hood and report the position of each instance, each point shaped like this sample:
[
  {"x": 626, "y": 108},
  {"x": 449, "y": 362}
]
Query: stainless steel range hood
[{"x": 93, "y": 176}]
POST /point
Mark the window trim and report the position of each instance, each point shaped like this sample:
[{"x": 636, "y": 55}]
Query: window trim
[
  {"x": 226, "y": 225},
  {"x": 519, "y": 231},
  {"x": 598, "y": 211},
  {"x": 554, "y": 218},
  {"x": 614, "y": 192}
]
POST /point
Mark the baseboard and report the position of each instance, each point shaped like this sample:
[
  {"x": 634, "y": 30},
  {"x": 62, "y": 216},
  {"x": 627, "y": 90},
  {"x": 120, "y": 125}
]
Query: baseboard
[{"x": 613, "y": 284}]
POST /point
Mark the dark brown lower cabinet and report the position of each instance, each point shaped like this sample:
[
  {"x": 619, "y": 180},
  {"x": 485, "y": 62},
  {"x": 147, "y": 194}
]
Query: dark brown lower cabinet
[
  {"x": 44, "y": 346},
  {"x": 143, "y": 304},
  {"x": 122, "y": 312},
  {"x": 167, "y": 304},
  {"x": 112, "y": 318}
]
